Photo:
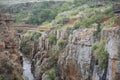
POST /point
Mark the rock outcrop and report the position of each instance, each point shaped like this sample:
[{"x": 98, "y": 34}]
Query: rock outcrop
[{"x": 10, "y": 67}]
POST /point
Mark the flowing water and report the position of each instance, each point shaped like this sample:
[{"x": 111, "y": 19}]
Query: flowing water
[
  {"x": 27, "y": 74},
  {"x": 27, "y": 69}
]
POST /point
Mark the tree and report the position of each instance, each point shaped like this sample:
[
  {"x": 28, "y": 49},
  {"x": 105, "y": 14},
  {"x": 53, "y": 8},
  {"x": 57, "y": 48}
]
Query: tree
[
  {"x": 40, "y": 16},
  {"x": 79, "y": 2}
]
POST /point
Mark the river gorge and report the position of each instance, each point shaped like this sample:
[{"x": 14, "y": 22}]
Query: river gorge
[{"x": 60, "y": 40}]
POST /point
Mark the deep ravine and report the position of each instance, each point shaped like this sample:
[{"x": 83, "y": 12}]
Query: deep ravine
[{"x": 27, "y": 74}]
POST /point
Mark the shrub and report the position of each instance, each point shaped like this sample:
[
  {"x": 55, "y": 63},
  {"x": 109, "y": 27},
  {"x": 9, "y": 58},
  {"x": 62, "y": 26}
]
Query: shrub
[
  {"x": 75, "y": 12},
  {"x": 109, "y": 11},
  {"x": 76, "y": 25},
  {"x": 47, "y": 24},
  {"x": 63, "y": 20},
  {"x": 23, "y": 43},
  {"x": 52, "y": 38},
  {"x": 100, "y": 53},
  {"x": 61, "y": 42},
  {"x": 20, "y": 31},
  {"x": 51, "y": 73},
  {"x": 36, "y": 36},
  {"x": 98, "y": 31},
  {"x": 69, "y": 30},
  {"x": 59, "y": 26},
  {"x": 27, "y": 34}
]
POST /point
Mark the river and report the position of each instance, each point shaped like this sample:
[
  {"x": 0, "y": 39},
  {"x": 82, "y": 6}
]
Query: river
[{"x": 27, "y": 74}]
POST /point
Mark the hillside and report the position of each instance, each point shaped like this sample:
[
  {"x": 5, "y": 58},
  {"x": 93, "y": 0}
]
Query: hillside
[{"x": 35, "y": 12}]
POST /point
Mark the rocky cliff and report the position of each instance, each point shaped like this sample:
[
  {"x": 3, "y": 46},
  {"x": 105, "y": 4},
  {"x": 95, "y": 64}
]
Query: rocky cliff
[
  {"x": 10, "y": 66},
  {"x": 78, "y": 54}
]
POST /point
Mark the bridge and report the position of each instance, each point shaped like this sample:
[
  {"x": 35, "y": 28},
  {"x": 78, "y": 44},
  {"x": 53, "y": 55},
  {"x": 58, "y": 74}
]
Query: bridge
[
  {"x": 32, "y": 27},
  {"x": 25, "y": 27}
]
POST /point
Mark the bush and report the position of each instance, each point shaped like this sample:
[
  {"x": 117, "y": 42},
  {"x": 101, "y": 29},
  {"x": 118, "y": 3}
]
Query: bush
[
  {"x": 20, "y": 31},
  {"x": 98, "y": 31},
  {"x": 52, "y": 38},
  {"x": 36, "y": 36},
  {"x": 76, "y": 24},
  {"x": 47, "y": 24},
  {"x": 69, "y": 30},
  {"x": 51, "y": 74},
  {"x": 100, "y": 54},
  {"x": 59, "y": 26},
  {"x": 27, "y": 34},
  {"x": 63, "y": 20},
  {"x": 61, "y": 42},
  {"x": 23, "y": 43}
]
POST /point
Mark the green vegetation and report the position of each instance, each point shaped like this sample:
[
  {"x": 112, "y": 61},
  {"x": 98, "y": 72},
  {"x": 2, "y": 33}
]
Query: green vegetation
[
  {"x": 61, "y": 42},
  {"x": 39, "y": 13},
  {"x": 36, "y": 36},
  {"x": 27, "y": 34},
  {"x": 46, "y": 24},
  {"x": 51, "y": 73},
  {"x": 63, "y": 20},
  {"x": 86, "y": 13},
  {"x": 79, "y": 2},
  {"x": 52, "y": 38},
  {"x": 20, "y": 31},
  {"x": 100, "y": 53},
  {"x": 40, "y": 16},
  {"x": 6, "y": 68},
  {"x": 76, "y": 25},
  {"x": 98, "y": 31},
  {"x": 23, "y": 43},
  {"x": 69, "y": 30},
  {"x": 109, "y": 23}
]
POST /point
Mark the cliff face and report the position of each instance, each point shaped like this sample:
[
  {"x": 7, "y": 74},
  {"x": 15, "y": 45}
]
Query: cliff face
[
  {"x": 112, "y": 46},
  {"x": 76, "y": 60},
  {"x": 10, "y": 67},
  {"x": 74, "y": 63}
]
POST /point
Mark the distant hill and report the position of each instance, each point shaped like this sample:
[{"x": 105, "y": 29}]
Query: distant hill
[
  {"x": 37, "y": 13},
  {"x": 25, "y": 1}
]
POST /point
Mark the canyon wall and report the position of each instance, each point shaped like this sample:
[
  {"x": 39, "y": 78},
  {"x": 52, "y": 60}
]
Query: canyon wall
[
  {"x": 70, "y": 55},
  {"x": 10, "y": 65}
]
